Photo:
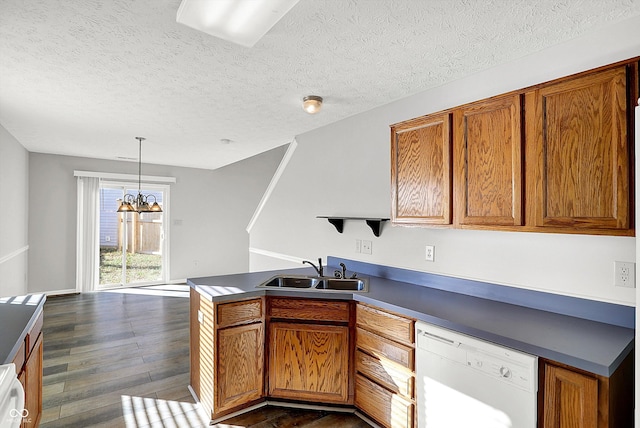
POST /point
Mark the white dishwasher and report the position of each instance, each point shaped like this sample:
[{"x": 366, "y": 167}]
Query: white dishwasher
[{"x": 465, "y": 382}]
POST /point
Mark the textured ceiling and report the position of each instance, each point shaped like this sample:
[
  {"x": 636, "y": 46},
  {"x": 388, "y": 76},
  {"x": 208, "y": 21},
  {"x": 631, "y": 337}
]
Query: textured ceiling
[{"x": 85, "y": 77}]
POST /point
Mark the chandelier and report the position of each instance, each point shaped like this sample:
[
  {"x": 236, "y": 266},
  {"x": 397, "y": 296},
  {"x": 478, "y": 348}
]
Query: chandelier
[{"x": 139, "y": 203}]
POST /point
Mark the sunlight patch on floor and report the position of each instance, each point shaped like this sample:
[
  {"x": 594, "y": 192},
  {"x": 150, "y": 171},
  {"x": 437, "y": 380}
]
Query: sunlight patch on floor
[
  {"x": 151, "y": 412},
  {"x": 165, "y": 290}
]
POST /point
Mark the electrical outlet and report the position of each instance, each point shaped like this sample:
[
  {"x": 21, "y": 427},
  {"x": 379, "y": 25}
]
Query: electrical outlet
[
  {"x": 430, "y": 253},
  {"x": 358, "y": 245},
  {"x": 366, "y": 247},
  {"x": 625, "y": 274}
]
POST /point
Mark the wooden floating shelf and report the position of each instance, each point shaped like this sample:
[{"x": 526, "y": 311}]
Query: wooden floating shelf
[{"x": 374, "y": 223}]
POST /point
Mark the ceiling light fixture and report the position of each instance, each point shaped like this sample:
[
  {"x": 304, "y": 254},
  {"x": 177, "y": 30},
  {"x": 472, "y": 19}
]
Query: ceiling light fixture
[
  {"x": 243, "y": 22},
  {"x": 139, "y": 203},
  {"x": 312, "y": 104}
]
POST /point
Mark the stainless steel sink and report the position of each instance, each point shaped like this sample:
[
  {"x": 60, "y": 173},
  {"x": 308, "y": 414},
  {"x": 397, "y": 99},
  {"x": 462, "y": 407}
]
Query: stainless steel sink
[
  {"x": 292, "y": 282},
  {"x": 315, "y": 283},
  {"x": 342, "y": 284}
]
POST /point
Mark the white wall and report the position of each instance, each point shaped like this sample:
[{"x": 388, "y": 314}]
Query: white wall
[
  {"x": 213, "y": 208},
  {"x": 344, "y": 169},
  {"x": 14, "y": 186}
]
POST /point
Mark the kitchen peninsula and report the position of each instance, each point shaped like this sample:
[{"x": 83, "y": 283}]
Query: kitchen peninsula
[{"x": 241, "y": 337}]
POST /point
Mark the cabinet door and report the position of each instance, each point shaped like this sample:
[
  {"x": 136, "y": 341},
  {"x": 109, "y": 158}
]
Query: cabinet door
[
  {"x": 421, "y": 170},
  {"x": 488, "y": 163},
  {"x": 570, "y": 399},
  {"x": 239, "y": 366},
  {"x": 33, "y": 385},
  {"x": 581, "y": 154},
  {"x": 309, "y": 362}
]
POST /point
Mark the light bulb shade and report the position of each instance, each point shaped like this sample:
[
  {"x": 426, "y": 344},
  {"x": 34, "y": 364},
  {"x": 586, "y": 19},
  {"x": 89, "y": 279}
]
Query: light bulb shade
[
  {"x": 143, "y": 208},
  {"x": 125, "y": 207},
  {"x": 312, "y": 104},
  {"x": 155, "y": 208}
]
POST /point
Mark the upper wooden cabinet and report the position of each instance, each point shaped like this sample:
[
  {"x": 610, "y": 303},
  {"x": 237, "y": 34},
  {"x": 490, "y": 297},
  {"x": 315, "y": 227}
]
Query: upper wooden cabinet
[
  {"x": 421, "y": 170},
  {"x": 556, "y": 157},
  {"x": 487, "y": 157},
  {"x": 579, "y": 152}
]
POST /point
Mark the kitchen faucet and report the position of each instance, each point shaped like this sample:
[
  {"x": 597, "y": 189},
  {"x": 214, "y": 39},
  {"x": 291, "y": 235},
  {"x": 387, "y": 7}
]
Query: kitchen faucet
[
  {"x": 319, "y": 269},
  {"x": 343, "y": 274}
]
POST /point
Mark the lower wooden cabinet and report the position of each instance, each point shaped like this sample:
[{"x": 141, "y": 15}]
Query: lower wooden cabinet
[
  {"x": 309, "y": 362},
  {"x": 310, "y": 346},
  {"x": 239, "y": 369},
  {"x": 385, "y": 367},
  {"x": 574, "y": 398},
  {"x": 28, "y": 364},
  {"x": 227, "y": 353}
]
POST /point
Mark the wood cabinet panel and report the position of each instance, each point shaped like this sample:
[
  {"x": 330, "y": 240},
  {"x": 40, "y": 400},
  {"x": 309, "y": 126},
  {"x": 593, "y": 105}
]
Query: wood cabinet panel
[
  {"x": 309, "y": 362},
  {"x": 227, "y": 364},
  {"x": 385, "y": 348},
  {"x": 579, "y": 146},
  {"x": 571, "y": 399},
  {"x": 392, "y": 376},
  {"x": 488, "y": 177},
  {"x": 421, "y": 170},
  {"x": 20, "y": 358},
  {"x": 33, "y": 383},
  {"x": 239, "y": 365},
  {"x": 309, "y": 309},
  {"x": 385, "y": 324},
  {"x": 388, "y": 409},
  {"x": 236, "y": 313}
]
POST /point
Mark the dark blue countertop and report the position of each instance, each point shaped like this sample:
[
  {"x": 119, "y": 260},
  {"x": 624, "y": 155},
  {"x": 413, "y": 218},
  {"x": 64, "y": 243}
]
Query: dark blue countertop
[
  {"x": 597, "y": 347},
  {"x": 17, "y": 315}
]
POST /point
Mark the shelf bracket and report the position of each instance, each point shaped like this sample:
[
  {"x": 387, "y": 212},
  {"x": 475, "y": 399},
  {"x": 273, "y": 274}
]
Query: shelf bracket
[
  {"x": 337, "y": 222},
  {"x": 374, "y": 223}
]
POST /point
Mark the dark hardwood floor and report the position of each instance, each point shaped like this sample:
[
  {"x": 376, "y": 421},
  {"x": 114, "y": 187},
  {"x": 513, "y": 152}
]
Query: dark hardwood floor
[{"x": 121, "y": 359}]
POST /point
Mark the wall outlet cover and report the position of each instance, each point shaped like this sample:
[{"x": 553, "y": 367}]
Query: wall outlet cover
[
  {"x": 625, "y": 274},
  {"x": 430, "y": 253},
  {"x": 366, "y": 247}
]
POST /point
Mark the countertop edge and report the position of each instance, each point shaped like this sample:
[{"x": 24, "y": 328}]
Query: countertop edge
[{"x": 34, "y": 316}]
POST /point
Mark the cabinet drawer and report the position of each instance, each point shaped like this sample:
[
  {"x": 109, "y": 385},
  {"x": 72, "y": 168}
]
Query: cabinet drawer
[
  {"x": 384, "y": 348},
  {"x": 391, "y": 375},
  {"x": 235, "y": 313},
  {"x": 385, "y": 324},
  {"x": 387, "y": 408},
  {"x": 313, "y": 310}
]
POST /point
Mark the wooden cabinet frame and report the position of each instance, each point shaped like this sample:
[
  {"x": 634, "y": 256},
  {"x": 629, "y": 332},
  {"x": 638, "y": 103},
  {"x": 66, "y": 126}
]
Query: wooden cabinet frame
[
  {"x": 421, "y": 170},
  {"x": 488, "y": 169},
  {"x": 555, "y": 157}
]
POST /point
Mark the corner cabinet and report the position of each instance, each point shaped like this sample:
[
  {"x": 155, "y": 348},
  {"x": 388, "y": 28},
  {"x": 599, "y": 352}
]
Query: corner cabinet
[
  {"x": 580, "y": 151},
  {"x": 572, "y": 397},
  {"x": 421, "y": 171},
  {"x": 227, "y": 353},
  {"x": 309, "y": 342}
]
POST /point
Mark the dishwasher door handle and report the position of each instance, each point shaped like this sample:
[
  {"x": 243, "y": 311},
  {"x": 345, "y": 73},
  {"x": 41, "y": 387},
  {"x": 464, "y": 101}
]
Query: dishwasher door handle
[{"x": 439, "y": 338}]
